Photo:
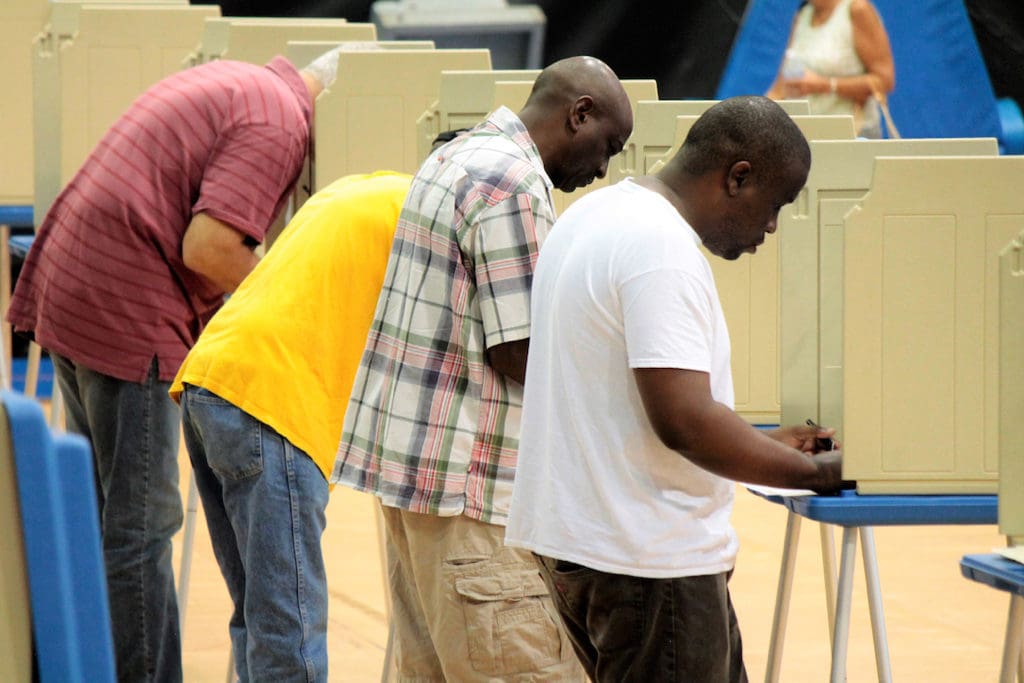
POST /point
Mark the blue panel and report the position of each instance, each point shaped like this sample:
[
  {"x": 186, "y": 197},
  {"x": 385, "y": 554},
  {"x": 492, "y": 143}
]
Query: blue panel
[
  {"x": 47, "y": 557},
  {"x": 63, "y": 556},
  {"x": 942, "y": 85},
  {"x": 88, "y": 578}
]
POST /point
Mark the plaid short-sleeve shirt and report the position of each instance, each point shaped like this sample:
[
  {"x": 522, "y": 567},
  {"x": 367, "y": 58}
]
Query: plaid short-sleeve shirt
[{"x": 430, "y": 426}]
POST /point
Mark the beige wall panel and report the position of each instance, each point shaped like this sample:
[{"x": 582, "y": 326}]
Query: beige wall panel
[
  {"x": 302, "y": 52},
  {"x": 638, "y": 91},
  {"x": 465, "y": 99},
  {"x": 367, "y": 120},
  {"x": 1011, "y": 390},
  {"x": 89, "y": 66},
  {"x": 511, "y": 94},
  {"x": 260, "y": 40},
  {"x": 811, "y": 267},
  {"x": 921, "y": 323},
  {"x": 20, "y": 22}
]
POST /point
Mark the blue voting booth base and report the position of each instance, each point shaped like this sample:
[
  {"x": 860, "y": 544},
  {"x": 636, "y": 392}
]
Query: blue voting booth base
[
  {"x": 992, "y": 569},
  {"x": 857, "y": 515},
  {"x": 1006, "y": 575}
]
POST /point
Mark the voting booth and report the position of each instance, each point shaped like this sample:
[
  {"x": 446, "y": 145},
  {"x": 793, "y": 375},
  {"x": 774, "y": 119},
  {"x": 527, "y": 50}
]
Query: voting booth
[
  {"x": 465, "y": 98},
  {"x": 921, "y": 323},
  {"x": 367, "y": 121},
  {"x": 1011, "y": 390},
  {"x": 811, "y": 263},
  {"x": 20, "y": 22}
]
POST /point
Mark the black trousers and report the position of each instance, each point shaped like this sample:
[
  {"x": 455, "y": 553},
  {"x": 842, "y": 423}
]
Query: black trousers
[{"x": 627, "y": 628}]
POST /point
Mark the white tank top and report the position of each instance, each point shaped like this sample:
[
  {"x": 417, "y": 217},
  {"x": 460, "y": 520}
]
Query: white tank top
[{"x": 828, "y": 50}]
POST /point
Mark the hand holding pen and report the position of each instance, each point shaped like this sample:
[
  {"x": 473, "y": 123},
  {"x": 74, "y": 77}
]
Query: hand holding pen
[{"x": 821, "y": 443}]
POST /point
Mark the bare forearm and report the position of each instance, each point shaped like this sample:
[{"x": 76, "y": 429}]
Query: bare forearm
[
  {"x": 228, "y": 270},
  {"x": 721, "y": 442},
  {"x": 217, "y": 251},
  {"x": 687, "y": 419}
]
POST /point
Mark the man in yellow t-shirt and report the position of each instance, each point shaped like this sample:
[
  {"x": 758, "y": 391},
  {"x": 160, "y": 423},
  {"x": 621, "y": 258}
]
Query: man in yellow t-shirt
[{"x": 263, "y": 395}]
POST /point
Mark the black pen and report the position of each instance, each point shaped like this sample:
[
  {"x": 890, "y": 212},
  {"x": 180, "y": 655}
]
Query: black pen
[{"x": 822, "y": 443}]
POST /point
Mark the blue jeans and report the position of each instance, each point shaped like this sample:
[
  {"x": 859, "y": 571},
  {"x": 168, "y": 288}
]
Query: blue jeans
[
  {"x": 627, "y": 629},
  {"x": 133, "y": 429},
  {"x": 264, "y": 501}
]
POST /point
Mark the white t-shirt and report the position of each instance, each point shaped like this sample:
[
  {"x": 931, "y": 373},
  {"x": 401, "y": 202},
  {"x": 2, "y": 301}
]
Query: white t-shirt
[{"x": 620, "y": 284}]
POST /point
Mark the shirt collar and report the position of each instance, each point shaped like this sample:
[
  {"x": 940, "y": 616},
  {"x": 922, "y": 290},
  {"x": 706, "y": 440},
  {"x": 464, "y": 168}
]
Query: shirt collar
[
  {"x": 287, "y": 72},
  {"x": 505, "y": 120}
]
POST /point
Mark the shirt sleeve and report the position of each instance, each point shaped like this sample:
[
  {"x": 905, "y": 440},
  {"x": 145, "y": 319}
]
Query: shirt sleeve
[
  {"x": 247, "y": 178},
  {"x": 505, "y": 247},
  {"x": 669, "y": 320}
]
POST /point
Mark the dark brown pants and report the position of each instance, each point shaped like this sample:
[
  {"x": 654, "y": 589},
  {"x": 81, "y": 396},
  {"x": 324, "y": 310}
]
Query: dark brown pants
[{"x": 626, "y": 628}]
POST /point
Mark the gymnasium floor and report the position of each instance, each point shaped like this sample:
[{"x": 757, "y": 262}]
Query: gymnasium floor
[{"x": 942, "y": 628}]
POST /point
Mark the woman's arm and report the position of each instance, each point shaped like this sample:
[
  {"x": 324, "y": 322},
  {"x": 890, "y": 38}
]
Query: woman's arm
[{"x": 872, "y": 45}]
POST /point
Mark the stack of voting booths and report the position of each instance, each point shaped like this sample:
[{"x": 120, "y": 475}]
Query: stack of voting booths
[
  {"x": 921, "y": 323},
  {"x": 895, "y": 343}
]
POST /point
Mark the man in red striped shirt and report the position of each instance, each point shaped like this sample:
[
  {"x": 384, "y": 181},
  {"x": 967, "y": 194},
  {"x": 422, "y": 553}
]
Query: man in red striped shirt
[{"x": 128, "y": 265}]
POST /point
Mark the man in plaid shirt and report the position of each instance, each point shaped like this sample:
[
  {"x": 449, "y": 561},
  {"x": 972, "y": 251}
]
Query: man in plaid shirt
[{"x": 432, "y": 425}]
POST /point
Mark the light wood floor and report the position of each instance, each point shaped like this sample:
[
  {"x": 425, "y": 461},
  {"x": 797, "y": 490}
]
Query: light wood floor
[{"x": 942, "y": 628}]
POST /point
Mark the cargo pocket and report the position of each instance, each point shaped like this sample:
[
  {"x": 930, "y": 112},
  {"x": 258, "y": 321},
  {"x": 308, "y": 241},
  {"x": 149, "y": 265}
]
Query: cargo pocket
[{"x": 511, "y": 626}]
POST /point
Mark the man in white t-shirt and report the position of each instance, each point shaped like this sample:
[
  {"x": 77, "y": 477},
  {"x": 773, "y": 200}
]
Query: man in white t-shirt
[{"x": 629, "y": 442}]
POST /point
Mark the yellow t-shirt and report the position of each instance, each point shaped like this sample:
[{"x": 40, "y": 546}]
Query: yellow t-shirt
[{"x": 286, "y": 346}]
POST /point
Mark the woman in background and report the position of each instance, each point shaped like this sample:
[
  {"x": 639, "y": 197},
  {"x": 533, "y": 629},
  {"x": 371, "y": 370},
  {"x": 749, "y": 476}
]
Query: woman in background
[{"x": 839, "y": 59}]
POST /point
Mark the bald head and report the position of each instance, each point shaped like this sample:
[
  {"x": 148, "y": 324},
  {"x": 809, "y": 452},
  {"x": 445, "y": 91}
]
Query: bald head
[
  {"x": 570, "y": 78},
  {"x": 578, "y": 115}
]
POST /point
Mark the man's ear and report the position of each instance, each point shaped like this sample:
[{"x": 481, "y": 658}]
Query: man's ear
[
  {"x": 582, "y": 109},
  {"x": 738, "y": 174}
]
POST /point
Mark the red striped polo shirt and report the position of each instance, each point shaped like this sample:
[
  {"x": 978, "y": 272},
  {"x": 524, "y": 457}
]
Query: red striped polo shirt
[{"x": 104, "y": 283}]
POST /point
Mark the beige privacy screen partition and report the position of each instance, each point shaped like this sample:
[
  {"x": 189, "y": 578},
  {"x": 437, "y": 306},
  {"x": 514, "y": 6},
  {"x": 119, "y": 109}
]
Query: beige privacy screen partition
[
  {"x": 654, "y": 132},
  {"x": 20, "y": 22},
  {"x": 1011, "y": 390},
  {"x": 90, "y": 63},
  {"x": 465, "y": 99},
  {"x": 366, "y": 121},
  {"x": 258, "y": 40},
  {"x": 302, "y": 52},
  {"x": 921, "y": 330},
  {"x": 810, "y": 239}
]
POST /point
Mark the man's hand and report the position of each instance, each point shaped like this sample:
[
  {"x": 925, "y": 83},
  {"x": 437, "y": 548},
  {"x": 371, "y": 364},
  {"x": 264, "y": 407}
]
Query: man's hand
[{"x": 806, "y": 438}]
